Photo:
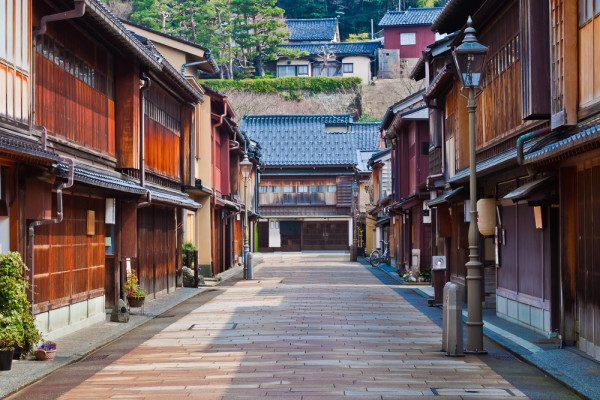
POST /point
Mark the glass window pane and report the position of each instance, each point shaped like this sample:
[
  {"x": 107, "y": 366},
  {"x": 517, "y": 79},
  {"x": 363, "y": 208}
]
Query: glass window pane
[
  {"x": 303, "y": 188},
  {"x": 9, "y": 31},
  {"x": 407, "y": 39},
  {"x": 2, "y": 28},
  {"x": 25, "y": 35},
  {"x": 288, "y": 189},
  {"x": 17, "y": 19},
  {"x": 303, "y": 69},
  {"x": 597, "y": 7},
  {"x": 331, "y": 188}
]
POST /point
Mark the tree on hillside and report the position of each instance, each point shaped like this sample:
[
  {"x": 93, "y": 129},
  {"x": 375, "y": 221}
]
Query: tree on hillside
[{"x": 257, "y": 30}]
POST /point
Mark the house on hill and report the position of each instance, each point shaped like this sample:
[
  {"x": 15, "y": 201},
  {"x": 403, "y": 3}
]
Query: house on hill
[
  {"x": 306, "y": 196},
  {"x": 322, "y": 54},
  {"x": 405, "y": 34},
  {"x": 320, "y": 30}
]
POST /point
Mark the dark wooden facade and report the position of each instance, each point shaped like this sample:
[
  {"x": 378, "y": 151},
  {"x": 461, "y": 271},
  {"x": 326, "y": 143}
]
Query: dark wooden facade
[{"x": 71, "y": 120}]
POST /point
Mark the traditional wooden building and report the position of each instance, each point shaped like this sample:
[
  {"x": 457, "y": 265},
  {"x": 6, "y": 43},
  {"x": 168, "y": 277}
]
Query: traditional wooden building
[
  {"x": 94, "y": 159},
  {"x": 217, "y": 147},
  {"x": 521, "y": 256},
  {"x": 305, "y": 193},
  {"x": 406, "y": 127},
  {"x": 380, "y": 164},
  {"x": 405, "y": 34}
]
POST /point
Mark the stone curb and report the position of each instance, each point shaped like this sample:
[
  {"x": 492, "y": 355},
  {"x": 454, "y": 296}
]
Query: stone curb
[
  {"x": 79, "y": 344},
  {"x": 551, "y": 369}
]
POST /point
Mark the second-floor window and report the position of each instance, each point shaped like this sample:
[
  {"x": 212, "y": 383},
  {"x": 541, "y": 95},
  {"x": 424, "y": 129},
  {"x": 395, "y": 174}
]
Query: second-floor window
[
  {"x": 288, "y": 189},
  {"x": 263, "y": 189},
  {"x": 587, "y": 10},
  {"x": 317, "y": 189},
  {"x": 407, "y": 39},
  {"x": 331, "y": 188},
  {"x": 303, "y": 188},
  {"x": 275, "y": 189}
]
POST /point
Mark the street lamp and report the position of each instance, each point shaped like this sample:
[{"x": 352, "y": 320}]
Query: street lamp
[
  {"x": 246, "y": 168},
  {"x": 469, "y": 59}
]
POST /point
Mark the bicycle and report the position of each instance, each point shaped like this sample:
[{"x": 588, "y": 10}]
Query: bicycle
[{"x": 376, "y": 258}]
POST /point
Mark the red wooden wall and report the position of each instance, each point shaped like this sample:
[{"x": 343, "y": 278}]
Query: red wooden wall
[
  {"x": 423, "y": 37},
  {"x": 69, "y": 264}
]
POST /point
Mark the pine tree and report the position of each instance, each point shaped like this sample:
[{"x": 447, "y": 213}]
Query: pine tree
[{"x": 257, "y": 30}]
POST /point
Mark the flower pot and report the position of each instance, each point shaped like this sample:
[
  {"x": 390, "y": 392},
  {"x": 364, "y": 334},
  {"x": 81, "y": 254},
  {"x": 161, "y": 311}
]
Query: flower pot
[
  {"x": 135, "y": 301},
  {"x": 45, "y": 355},
  {"x": 6, "y": 357}
]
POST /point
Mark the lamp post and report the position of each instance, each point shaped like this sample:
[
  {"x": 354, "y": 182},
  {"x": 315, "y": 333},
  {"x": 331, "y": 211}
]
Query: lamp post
[
  {"x": 246, "y": 168},
  {"x": 469, "y": 59}
]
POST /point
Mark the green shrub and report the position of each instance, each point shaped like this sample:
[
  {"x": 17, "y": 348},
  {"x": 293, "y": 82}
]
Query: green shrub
[
  {"x": 17, "y": 325},
  {"x": 188, "y": 246},
  {"x": 287, "y": 84}
]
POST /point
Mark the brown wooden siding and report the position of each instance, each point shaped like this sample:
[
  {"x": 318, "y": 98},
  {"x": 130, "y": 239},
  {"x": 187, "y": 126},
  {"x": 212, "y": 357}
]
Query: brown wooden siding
[
  {"x": 69, "y": 265},
  {"x": 156, "y": 249},
  {"x": 72, "y": 108},
  {"x": 127, "y": 114},
  {"x": 162, "y": 133}
]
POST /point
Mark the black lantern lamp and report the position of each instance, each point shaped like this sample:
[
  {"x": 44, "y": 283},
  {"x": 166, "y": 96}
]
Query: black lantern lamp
[{"x": 469, "y": 58}]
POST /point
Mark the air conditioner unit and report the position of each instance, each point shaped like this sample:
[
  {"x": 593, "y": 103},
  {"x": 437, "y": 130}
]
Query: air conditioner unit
[{"x": 439, "y": 262}]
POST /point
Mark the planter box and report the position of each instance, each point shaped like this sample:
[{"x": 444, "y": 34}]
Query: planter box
[{"x": 6, "y": 357}]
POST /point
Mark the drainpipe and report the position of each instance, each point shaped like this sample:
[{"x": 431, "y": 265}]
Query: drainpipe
[
  {"x": 214, "y": 155},
  {"x": 145, "y": 85},
  {"x": 77, "y": 12},
  {"x": 521, "y": 141},
  {"x": 58, "y": 219},
  {"x": 206, "y": 54}
]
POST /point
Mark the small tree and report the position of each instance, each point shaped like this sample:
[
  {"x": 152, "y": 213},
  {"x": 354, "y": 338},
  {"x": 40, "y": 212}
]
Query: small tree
[
  {"x": 258, "y": 31},
  {"x": 17, "y": 327}
]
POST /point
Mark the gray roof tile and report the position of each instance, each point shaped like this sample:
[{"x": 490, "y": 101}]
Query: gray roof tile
[
  {"x": 312, "y": 29},
  {"x": 412, "y": 16},
  {"x": 366, "y": 48},
  {"x": 303, "y": 140}
]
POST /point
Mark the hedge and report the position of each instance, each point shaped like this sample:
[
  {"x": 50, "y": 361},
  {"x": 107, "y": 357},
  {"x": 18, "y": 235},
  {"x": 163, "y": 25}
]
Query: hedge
[{"x": 278, "y": 85}]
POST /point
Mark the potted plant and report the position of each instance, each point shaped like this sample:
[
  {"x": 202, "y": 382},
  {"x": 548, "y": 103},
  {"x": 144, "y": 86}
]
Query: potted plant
[
  {"x": 6, "y": 355},
  {"x": 135, "y": 294},
  {"x": 17, "y": 327},
  {"x": 46, "y": 351}
]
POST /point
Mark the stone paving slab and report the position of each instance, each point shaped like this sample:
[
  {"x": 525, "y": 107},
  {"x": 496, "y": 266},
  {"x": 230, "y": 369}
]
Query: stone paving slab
[{"x": 309, "y": 326}]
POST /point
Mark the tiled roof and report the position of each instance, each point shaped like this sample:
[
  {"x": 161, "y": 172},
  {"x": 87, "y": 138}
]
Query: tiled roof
[
  {"x": 412, "y": 16},
  {"x": 27, "y": 148},
  {"x": 366, "y": 48},
  {"x": 312, "y": 29},
  {"x": 584, "y": 136},
  {"x": 303, "y": 140}
]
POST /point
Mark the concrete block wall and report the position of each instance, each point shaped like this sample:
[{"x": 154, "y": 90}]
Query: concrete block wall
[
  {"x": 523, "y": 314},
  {"x": 70, "y": 318}
]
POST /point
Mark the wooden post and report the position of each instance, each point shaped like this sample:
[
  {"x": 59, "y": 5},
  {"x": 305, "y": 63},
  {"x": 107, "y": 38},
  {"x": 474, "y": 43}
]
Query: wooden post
[
  {"x": 188, "y": 262},
  {"x": 196, "y": 272}
]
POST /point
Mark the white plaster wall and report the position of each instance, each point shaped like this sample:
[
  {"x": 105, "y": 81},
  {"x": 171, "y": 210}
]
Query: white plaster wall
[{"x": 362, "y": 68}]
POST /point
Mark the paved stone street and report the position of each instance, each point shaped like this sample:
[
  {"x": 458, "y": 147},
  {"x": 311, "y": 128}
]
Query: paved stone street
[{"x": 310, "y": 326}]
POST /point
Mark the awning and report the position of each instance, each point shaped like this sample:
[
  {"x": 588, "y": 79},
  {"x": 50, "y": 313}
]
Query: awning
[
  {"x": 445, "y": 198},
  {"x": 173, "y": 198},
  {"x": 21, "y": 148},
  {"x": 108, "y": 180},
  {"x": 229, "y": 204},
  {"x": 585, "y": 138},
  {"x": 382, "y": 221},
  {"x": 531, "y": 188}
]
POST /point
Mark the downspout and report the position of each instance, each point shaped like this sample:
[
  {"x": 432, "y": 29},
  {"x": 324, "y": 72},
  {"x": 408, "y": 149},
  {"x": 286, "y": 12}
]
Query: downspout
[
  {"x": 144, "y": 86},
  {"x": 77, "y": 12},
  {"x": 207, "y": 54},
  {"x": 58, "y": 219},
  {"x": 521, "y": 142}
]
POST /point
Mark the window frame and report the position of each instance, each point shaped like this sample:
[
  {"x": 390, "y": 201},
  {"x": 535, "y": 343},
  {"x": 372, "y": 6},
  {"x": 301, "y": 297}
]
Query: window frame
[
  {"x": 331, "y": 188},
  {"x": 351, "y": 65},
  {"x": 413, "y": 35}
]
